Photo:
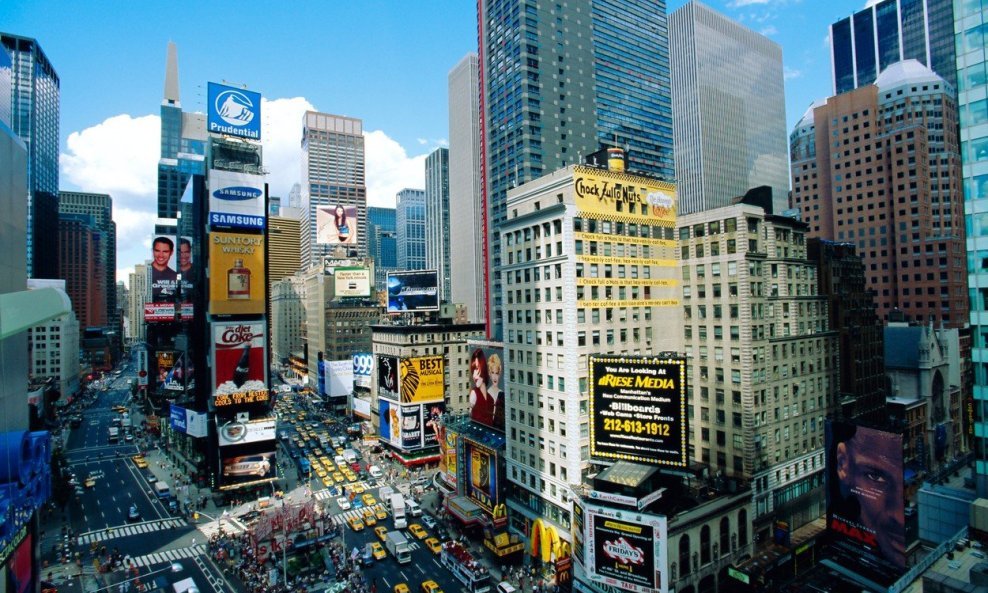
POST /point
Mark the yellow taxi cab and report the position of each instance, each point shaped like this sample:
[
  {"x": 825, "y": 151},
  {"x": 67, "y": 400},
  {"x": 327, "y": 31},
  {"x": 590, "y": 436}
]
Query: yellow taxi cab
[
  {"x": 401, "y": 588},
  {"x": 378, "y": 551},
  {"x": 338, "y": 477},
  {"x": 369, "y": 517},
  {"x": 90, "y": 482},
  {"x": 417, "y": 531},
  {"x": 357, "y": 488},
  {"x": 356, "y": 524},
  {"x": 321, "y": 472},
  {"x": 368, "y": 499},
  {"x": 382, "y": 532},
  {"x": 327, "y": 481},
  {"x": 434, "y": 545},
  {"x": 431, "y": 586},
  {"x": 120, "y": 409},
  {"x": 139, "y": 461},
  {"x": 380, "y": 513},
  {"x": 350, "y": 476}
]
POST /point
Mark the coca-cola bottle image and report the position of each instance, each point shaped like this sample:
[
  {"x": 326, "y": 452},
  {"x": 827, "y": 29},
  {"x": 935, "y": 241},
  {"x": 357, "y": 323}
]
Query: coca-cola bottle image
[{"x": 242, "y": 371}]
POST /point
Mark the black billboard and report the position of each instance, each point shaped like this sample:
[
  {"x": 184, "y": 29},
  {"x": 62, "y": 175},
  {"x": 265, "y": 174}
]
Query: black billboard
[
  {"x": 638, "y": 406},
  {"x": 413, "y": 291},
  {"x": 387, "y": 377}
]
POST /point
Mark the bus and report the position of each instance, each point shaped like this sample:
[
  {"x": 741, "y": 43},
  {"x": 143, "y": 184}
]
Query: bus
[{"x": 114, "y": 434}]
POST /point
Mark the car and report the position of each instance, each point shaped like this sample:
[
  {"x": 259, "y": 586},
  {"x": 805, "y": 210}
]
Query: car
[
  {"x": 369, "y": 499},
  {"x": 369, "y": 517},
  {"x": 381, "y": 532},
  {"x": 401, "y": 588},
  {"x": 356, "y": 524},
  {"x": 248, "y": 465},
  {"x": 357, "y": 488},
  {"x": 434, "y": 545},
  {"x": 173, "y": 506},
  {"x": 431, "y": 586},
  {"x": 429, "y": 521},
  {"x": 338, "y": 477},
  {"x": 380, "y": 513},
  {"x": 417, "y": 531},
  {"x": 378, "y": 549},
  {"x": 327, "y": 481},
  {"x": 133, "y": 514},
  {"x": 343, "y": 503},
  {"x": 128, "y": 438},
  {"x": 357, "y": 503},
  {"x": 120, "y": 409},
  {"x": 90, "y": 482}
]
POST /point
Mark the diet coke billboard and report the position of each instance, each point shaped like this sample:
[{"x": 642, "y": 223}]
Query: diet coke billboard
[{"x": 239, "y": 362}]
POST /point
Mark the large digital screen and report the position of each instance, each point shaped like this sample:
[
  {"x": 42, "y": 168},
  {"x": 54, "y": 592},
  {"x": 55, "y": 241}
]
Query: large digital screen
[
  {"x": 363, "y": 367},
  {"x": 638, "y": 410},
  {"x": 351, "y": 282},
  {"x": 233, "y": 111},
  {"x": 626, "y": 549},
  {"x": 164, "y": 277},
  {"x": 336, "y": 224},
  {"x": 487, "y": 394},
  {"x": 242, "y": 470},
  {"x": 165, "y": 312},
  {"x": 236, "y": 200},
  {"x": 387, "y": 377},
  {"x": 413, "y": 291},
  {"x": 482, "y": 473},
  {"x": 231, "y": 432},
  {"x": 433, "y": 433},
  {"x": 236, "y": 274},
  {"x": 239, "y": 361},
  {"x": 422, "y": 379},
  {"x": 164, "y": 362},
  {"x": 866, "y": 500}
]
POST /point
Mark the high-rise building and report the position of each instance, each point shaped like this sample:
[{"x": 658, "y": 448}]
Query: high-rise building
[
  {"x": 466, "y": 264},
  {"x": 100, "y": 207},
  {"x": 864, "y": 44},
  {"x": 183, "y": 142},
  {"x": 382, "y": 244},
  {"x": 287, "y": 318},
  {"x": 284, "y": 244},
  {"x": 139, "y": 294},
  {"x": 437, "y": 227},
  {"x": 83, "y": 268},
  {"x": 333, "y": 175},
  {"x": 971, "y": 22},
  {"x": 35, "y": 109},
  {"x": 559, "y": 81},
  {"x": 761, "y": 351},
  {"x": 582, "y": 276},
  {"x": 891, "y": 187},
  {"x": 410, "y": 229},
  {"x": 53, "y": 347},
  {"x": 334, "y": 330},
  {"x": 730, "y": 112}
]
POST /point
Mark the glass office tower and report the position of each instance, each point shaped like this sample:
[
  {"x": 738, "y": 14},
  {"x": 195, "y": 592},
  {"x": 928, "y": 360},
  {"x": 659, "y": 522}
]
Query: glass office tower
[{"x": 410, "y": 229}]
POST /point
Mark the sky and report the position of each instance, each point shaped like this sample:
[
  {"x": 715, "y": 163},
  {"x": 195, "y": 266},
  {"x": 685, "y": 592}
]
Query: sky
[{"x": 383, "y": 61}]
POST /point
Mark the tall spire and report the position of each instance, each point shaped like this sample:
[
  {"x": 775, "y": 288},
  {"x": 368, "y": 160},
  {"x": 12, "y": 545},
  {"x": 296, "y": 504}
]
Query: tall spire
[{"x": 171, "y": 76}]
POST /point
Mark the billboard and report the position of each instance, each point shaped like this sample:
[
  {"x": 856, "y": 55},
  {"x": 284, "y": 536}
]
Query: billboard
[
  {"x": 351, "y": 282},
  {"x": 363, "y": 366},
  {"x": 432, "y": 423},
  {"x": 411, "y": 427},
  {"x": 422, "y": 379},
  {"x": 361, "y": 407},
  {"x": 626, "y": 549},
  {"x": 142, "y": 368},
  {"x": 638, "y": 410},
  {"x": 231, "y": 432},
  {"x": 236, "y": 200},
  {"x": 236, "y": 274},
  {"x": 413, "y": 291},
  {"x": 164, "y": 312},
  {"x": 390, "y": 424},
  {"x": 181, "y": 375},
  {"x": 185, "y": 267},
  {"x": 447, "y": 454},
  {"x": 233, "y": 112},
  {"x": 482, "y": 472},
  {"x": 634, "y": 198},
  {"x": 866, "y": 499},
  {"x": 243, "y": 470},
  {"x": 164, "y": 362},
  {"x": 164, "y": 277},
  {"x": 387, "y": 377},
  {"x": 486, "y": 393},
  {"x": 188, "y": 421},
  {"x": 336, "y": 224},
  {"x": 339, "y": 377},
  {"x": 239, "y": 362}
]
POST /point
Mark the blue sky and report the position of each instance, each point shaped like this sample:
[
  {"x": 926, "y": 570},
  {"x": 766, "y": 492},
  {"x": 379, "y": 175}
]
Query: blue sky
[{"x": 385, "y": 62}]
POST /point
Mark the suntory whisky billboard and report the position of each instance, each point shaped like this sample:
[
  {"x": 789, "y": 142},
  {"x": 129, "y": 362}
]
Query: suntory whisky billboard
[{"x": 236, "y": 274}]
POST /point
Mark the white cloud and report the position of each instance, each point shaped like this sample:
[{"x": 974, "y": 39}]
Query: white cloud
[
  {"x": 390, "y": 169},
  {"x": 743, "y": 3},
  {"x": 282, "y": 134},
  {"x": 769, "y": 30},
  {"x": 790, "y": 73}
]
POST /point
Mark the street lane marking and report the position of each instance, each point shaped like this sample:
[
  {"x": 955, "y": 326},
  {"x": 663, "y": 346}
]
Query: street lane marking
[{"x": 127, "y": 530}]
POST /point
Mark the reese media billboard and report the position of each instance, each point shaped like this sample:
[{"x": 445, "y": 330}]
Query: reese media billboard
[
  {"x": 363, "y": 367},
  {"x": 236, "y": 274},
  {"x": 232, "y": 432},
  {"x": 422, "y": 379},
  {"x": 866, "y": 500},
  {"x": 482, "y": 471},
  {"x": 351, "y": 282},
  {"x": 236, "y": 200},
  {"x": 233, "y": 112},
  {"x": 638, "y": 410},
  {"x": 413, "y": 291},
  {"x": 626, "y": 549},
  {"x": 336, "y": 224},
  {"x": 486, "y": 393},
  {"x": 238, "y": 471},
  {"x": 239, "y": 362}
]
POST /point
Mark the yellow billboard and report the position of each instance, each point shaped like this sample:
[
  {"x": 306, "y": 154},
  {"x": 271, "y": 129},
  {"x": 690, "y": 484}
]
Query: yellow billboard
[
  {"x": 624, "y": 197},
  {"x": 422, "y": 379},
  {"x": 236, "y": 274}
]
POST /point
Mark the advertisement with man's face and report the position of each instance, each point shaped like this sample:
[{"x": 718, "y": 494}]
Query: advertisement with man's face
[
  {"x": 242, "y": 470},
  {"x": 336, "y": 225},
  {"x": 239, "y": 362},
  {"x": 486, "y": 387},
  {"x": 181, "y": 376},
  {"x": 866, "y": 499},
  {"x": 626, "y": 549},
  {"x": 422, "y": 379},
  {"x": 387, "y": 377},
  {"x": 482, "y": 472},
  {"x": 432, "y": 421},
  {"x": 164, "y": 277},
  {"x": 236, "y": 274},
  {"x": 185, "y": 264}
]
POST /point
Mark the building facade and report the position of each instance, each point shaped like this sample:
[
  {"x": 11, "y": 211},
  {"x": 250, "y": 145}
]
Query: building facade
[
  {"x": 729, "y": 105},
  {"x": 410, "y": 223},
  {"x": 284, "y": 244},
  {"x": 333, "y": 174},
  {"x": 467, "y": 259},
  {"x": 763, "y": 372},
  {"x": 81, "y": 265},
  {"x": 183, "y": 142},
  {"x": 588, "y": 76},
  {"x": 336, "y": 330},
  {"x": 34, "y": 116},
  {"x": 100, "y": 207},
  {"x": 287, "y": 318},
  {"x": 864, "y": 44},
  {"x": 139, "y": 294},
  {"x": 891, "y": 187},
  {"x": 53, "y": 347},
  {"x": 382, "y": 244},
  {"x": 437, "y": 227}
]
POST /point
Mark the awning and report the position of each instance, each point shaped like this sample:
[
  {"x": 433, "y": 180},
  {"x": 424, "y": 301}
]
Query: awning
[{"x": 463, "y": 509}]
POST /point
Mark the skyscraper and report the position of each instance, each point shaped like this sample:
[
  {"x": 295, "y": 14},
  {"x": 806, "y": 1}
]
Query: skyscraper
[
  {"x": 467, "y": 253},
  {"x": 183, "y": 142},
  {"x": 891, "y": 187},
  {"x": 34, "y": 105},
  {"x": 100, "y": 207},
  {"x": 971, "y": 22},
  {"x": 437, "y": 244},
  {"x": 730, "y": 113},
  {"x": 410, "y": 229},
  {"x": 382, "y": 246},
  {"x": 875, "y": 37},
  {"x": 284, "y": 246},
  {"x": 83, "y": 268},
  {"x": 333, "y": 175},
  {"x": 558, "y": 82},
  {"x": 139, "y": 294}
]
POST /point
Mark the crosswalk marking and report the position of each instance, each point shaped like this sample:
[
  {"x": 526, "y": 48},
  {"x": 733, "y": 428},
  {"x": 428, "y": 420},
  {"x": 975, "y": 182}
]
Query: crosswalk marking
[
  {"x": 342, "y": 518},
  {"x": 125, "y": 530},
  {"x": 169, "y": 555},
  {"x": 229, "y": 524}
]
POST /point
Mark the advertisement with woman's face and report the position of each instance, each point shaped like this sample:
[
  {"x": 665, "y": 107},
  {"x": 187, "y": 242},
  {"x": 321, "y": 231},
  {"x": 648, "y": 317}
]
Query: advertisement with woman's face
[
  {"x": 336, "y": 225},
  {"x": 486, "y": 387}
]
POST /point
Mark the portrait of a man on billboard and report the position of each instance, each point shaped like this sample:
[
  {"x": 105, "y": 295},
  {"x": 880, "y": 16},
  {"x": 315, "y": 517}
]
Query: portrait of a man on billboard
[{"x": 164, "y": 278}]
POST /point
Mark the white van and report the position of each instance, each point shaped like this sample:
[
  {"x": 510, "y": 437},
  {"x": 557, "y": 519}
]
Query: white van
[
  {"x": 375, "y": 472},
  {"x": 505, "y": 587},
  {"x": 412, "y": 508}
]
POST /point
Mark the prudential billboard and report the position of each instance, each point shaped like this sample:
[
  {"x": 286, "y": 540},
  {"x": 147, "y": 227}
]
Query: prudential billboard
[{"x": 233, "y": 111}]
